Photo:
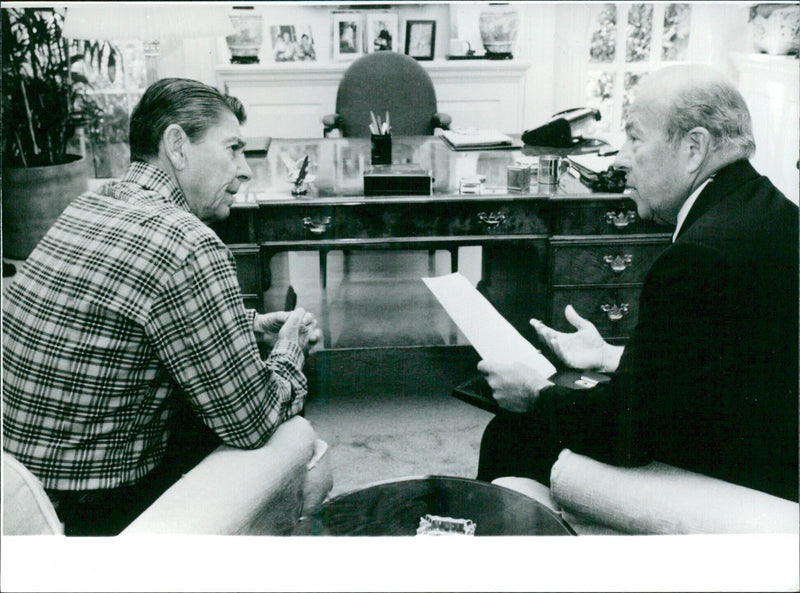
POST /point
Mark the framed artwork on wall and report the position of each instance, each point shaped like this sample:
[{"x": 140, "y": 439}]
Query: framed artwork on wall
[
  {"x": 420, "y": 39},
  {"x": 347, "y": 35},
  {"x": 382, "y": 32}
]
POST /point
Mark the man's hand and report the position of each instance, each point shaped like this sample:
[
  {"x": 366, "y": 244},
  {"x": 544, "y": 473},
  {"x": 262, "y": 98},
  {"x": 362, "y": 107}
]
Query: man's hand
[
  {"x": 274, "y": 326},
  {"x": 582, "y": 349},
  {"x": 515, "y": 386},
  {"x": 267, "y": 326}
]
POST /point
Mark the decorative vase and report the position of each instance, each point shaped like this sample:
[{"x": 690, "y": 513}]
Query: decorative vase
[
  {"x": 776, "y": 28},
  {"x": 246, "y": 41},
  {"x": 34, "y": 197},
  {"x": 498, "y": 26}
]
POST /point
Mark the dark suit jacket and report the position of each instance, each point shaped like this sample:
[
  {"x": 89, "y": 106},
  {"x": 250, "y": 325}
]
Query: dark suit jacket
[{"x": 709, "y": 379}]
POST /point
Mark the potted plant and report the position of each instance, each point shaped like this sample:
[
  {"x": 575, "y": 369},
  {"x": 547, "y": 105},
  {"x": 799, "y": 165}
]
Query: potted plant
[{"x": 45, "y": 101}]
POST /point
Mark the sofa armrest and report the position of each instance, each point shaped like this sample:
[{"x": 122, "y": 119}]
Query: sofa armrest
[
  {"x": 236, "y": 491},
  {"x": 26, "y": 508},
  {"x": 661, "y": 499}
]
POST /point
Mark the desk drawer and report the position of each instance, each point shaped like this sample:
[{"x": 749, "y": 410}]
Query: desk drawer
[
  {"x": 613, "y": 217},
  {"x": 398, "y": 220},
  {"x": 613, "y": 310},
  {"x": 607, "y": 262},
  {"x": 521, "y": 217}
]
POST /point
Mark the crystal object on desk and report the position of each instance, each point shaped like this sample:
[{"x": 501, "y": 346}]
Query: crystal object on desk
[{"x": 435, "y": 525}]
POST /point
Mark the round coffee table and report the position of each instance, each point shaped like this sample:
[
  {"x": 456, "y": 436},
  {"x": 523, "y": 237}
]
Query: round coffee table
[{"x": 396, "y": 507}]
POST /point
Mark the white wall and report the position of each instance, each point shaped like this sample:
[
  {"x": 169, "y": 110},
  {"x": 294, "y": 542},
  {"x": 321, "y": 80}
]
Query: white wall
[{"x": 552, "y": 37}]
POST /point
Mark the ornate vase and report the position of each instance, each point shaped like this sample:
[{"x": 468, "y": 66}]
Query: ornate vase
[
  {"x": 498, "y": 26},
  {"x": 776, "y": 28},
  {"x": 246, "y": 41}
]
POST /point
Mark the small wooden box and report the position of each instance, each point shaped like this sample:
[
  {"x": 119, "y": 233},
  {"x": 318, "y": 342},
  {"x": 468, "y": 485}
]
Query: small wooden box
[{"x": 397, "y": 180}]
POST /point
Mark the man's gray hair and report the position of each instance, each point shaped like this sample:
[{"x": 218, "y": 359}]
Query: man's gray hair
[{"x": 717, "y": 106}]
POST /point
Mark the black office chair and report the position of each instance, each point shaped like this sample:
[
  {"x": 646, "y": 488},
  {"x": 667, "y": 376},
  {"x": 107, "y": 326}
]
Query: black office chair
[{"x": 386, "y": 81}]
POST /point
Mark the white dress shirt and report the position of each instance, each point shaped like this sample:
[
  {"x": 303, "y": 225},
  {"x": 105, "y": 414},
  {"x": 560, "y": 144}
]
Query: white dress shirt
[{"x": 687, "y": 206}]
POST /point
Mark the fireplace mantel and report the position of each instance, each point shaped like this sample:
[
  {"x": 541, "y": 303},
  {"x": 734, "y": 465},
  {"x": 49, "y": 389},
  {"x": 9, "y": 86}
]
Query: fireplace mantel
[{"x": 288, "y": 100}]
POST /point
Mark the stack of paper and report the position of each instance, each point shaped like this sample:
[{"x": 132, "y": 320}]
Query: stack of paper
[
  {"x": 473, "y": 138},
  {"x": 489, "y": 333}
]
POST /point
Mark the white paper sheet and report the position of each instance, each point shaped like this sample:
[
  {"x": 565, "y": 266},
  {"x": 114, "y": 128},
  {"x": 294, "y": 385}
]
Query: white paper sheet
[{"x": 489, "y": 333}]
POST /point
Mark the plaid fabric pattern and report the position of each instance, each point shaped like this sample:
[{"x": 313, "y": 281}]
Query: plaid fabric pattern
[{"x": 129, "y": 302}]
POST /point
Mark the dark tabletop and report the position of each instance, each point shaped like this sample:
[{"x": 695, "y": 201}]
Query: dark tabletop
[{"x": 396, "y": 507}]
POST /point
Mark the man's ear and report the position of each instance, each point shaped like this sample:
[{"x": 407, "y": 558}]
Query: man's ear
[
  {"x": 174, "y": 143},
  {"x": 697, "y": 143}
]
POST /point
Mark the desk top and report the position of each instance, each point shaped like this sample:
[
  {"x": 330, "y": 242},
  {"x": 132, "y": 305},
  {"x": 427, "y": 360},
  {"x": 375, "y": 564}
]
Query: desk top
[{"x": 337, "y": 165}]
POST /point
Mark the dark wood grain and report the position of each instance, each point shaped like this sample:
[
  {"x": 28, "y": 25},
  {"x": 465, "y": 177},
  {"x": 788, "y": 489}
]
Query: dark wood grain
[{"x": 395, "y": 509}]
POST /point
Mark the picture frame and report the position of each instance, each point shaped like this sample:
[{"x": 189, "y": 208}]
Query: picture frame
[
  {"x": 292, "y": 43},
  {"x": 284, "y": 42},
  {"x": 420, "y": 39},
  {"x": 382, "y": 32},
  {"x": 348, "y": 35}
]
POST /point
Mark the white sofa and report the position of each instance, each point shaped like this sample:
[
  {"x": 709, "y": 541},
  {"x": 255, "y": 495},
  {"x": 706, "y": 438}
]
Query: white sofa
[
  {"x": 232, "y": 491},
  {"x": 596, "y": 498}
]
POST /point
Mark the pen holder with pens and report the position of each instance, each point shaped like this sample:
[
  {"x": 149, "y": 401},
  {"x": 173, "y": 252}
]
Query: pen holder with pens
[{"x": 381, "y": 149}]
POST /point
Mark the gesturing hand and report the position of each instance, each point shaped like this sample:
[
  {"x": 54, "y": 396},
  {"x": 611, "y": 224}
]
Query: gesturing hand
[
  {"x": 582, "y": 349},
  {"x": 515, "y": 386}
]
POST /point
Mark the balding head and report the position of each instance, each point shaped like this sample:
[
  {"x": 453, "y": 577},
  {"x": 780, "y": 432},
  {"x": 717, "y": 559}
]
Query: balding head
[
  {"x": 691, "y": 96},
  {"x": 686, "y": 123}
]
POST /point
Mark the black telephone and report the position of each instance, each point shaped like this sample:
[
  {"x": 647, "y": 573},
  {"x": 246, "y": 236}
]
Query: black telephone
[{"x": 564, "y": 130}]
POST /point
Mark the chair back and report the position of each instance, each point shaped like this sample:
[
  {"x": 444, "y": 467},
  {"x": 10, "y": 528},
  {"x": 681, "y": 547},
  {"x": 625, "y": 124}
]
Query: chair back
[{"x": 386, "y": 81}]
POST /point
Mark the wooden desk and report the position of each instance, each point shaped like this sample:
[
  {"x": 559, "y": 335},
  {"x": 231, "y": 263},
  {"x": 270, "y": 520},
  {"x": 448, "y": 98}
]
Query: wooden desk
[{"x": 541, "y": 250}]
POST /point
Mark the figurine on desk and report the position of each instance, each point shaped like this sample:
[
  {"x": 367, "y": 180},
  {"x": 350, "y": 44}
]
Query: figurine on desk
[{"x": 300, "y": 188}]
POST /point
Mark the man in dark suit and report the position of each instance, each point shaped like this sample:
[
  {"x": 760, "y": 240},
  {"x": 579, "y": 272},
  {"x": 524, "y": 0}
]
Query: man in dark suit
[{"x": 709, "y": 379}]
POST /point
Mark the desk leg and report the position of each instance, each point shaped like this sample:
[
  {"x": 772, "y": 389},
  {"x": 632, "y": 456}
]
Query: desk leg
[
  {"x": 514, "y": 279},
  {"x": 323, "y": 268}
]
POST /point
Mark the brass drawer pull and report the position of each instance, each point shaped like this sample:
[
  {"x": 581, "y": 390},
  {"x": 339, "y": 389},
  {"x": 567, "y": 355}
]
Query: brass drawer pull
[
  {"x": 316, "y": 228},
  {"x": 615, "y": 312},
  {"x": 621, "y": 219},
  {"x": 619, "y": 263},
  {"x": 493, "y": 219}
]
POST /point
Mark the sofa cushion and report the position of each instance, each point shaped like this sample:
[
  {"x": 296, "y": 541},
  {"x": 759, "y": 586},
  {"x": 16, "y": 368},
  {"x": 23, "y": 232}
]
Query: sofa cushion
[{"x": 26, "y": 508}]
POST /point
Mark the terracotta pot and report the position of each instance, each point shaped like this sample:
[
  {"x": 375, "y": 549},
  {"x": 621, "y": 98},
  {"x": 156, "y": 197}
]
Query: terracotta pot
[{"x": 34, "y": 197}]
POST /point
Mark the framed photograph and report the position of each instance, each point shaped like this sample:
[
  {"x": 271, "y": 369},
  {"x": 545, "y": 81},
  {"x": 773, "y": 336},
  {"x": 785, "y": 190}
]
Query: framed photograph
[
  {"x": 292, "y": 44},
  {"x": 305, "y": 45},
  {"x": 347, "y": 35},
  {"x": 420, "y": 39},
  {"x": 284, "y": 42},
  {"x": 382, "y": 31}
]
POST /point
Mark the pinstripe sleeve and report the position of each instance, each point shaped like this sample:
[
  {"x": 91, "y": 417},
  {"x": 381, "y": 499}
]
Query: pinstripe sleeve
[{"x": 203, "y": 336}]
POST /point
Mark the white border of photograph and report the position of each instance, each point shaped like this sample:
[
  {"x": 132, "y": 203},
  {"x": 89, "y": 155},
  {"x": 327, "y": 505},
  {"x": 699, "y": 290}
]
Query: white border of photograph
[
  {"x": 341, "y": 20},
  {"x": 391, "y": 24}
]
